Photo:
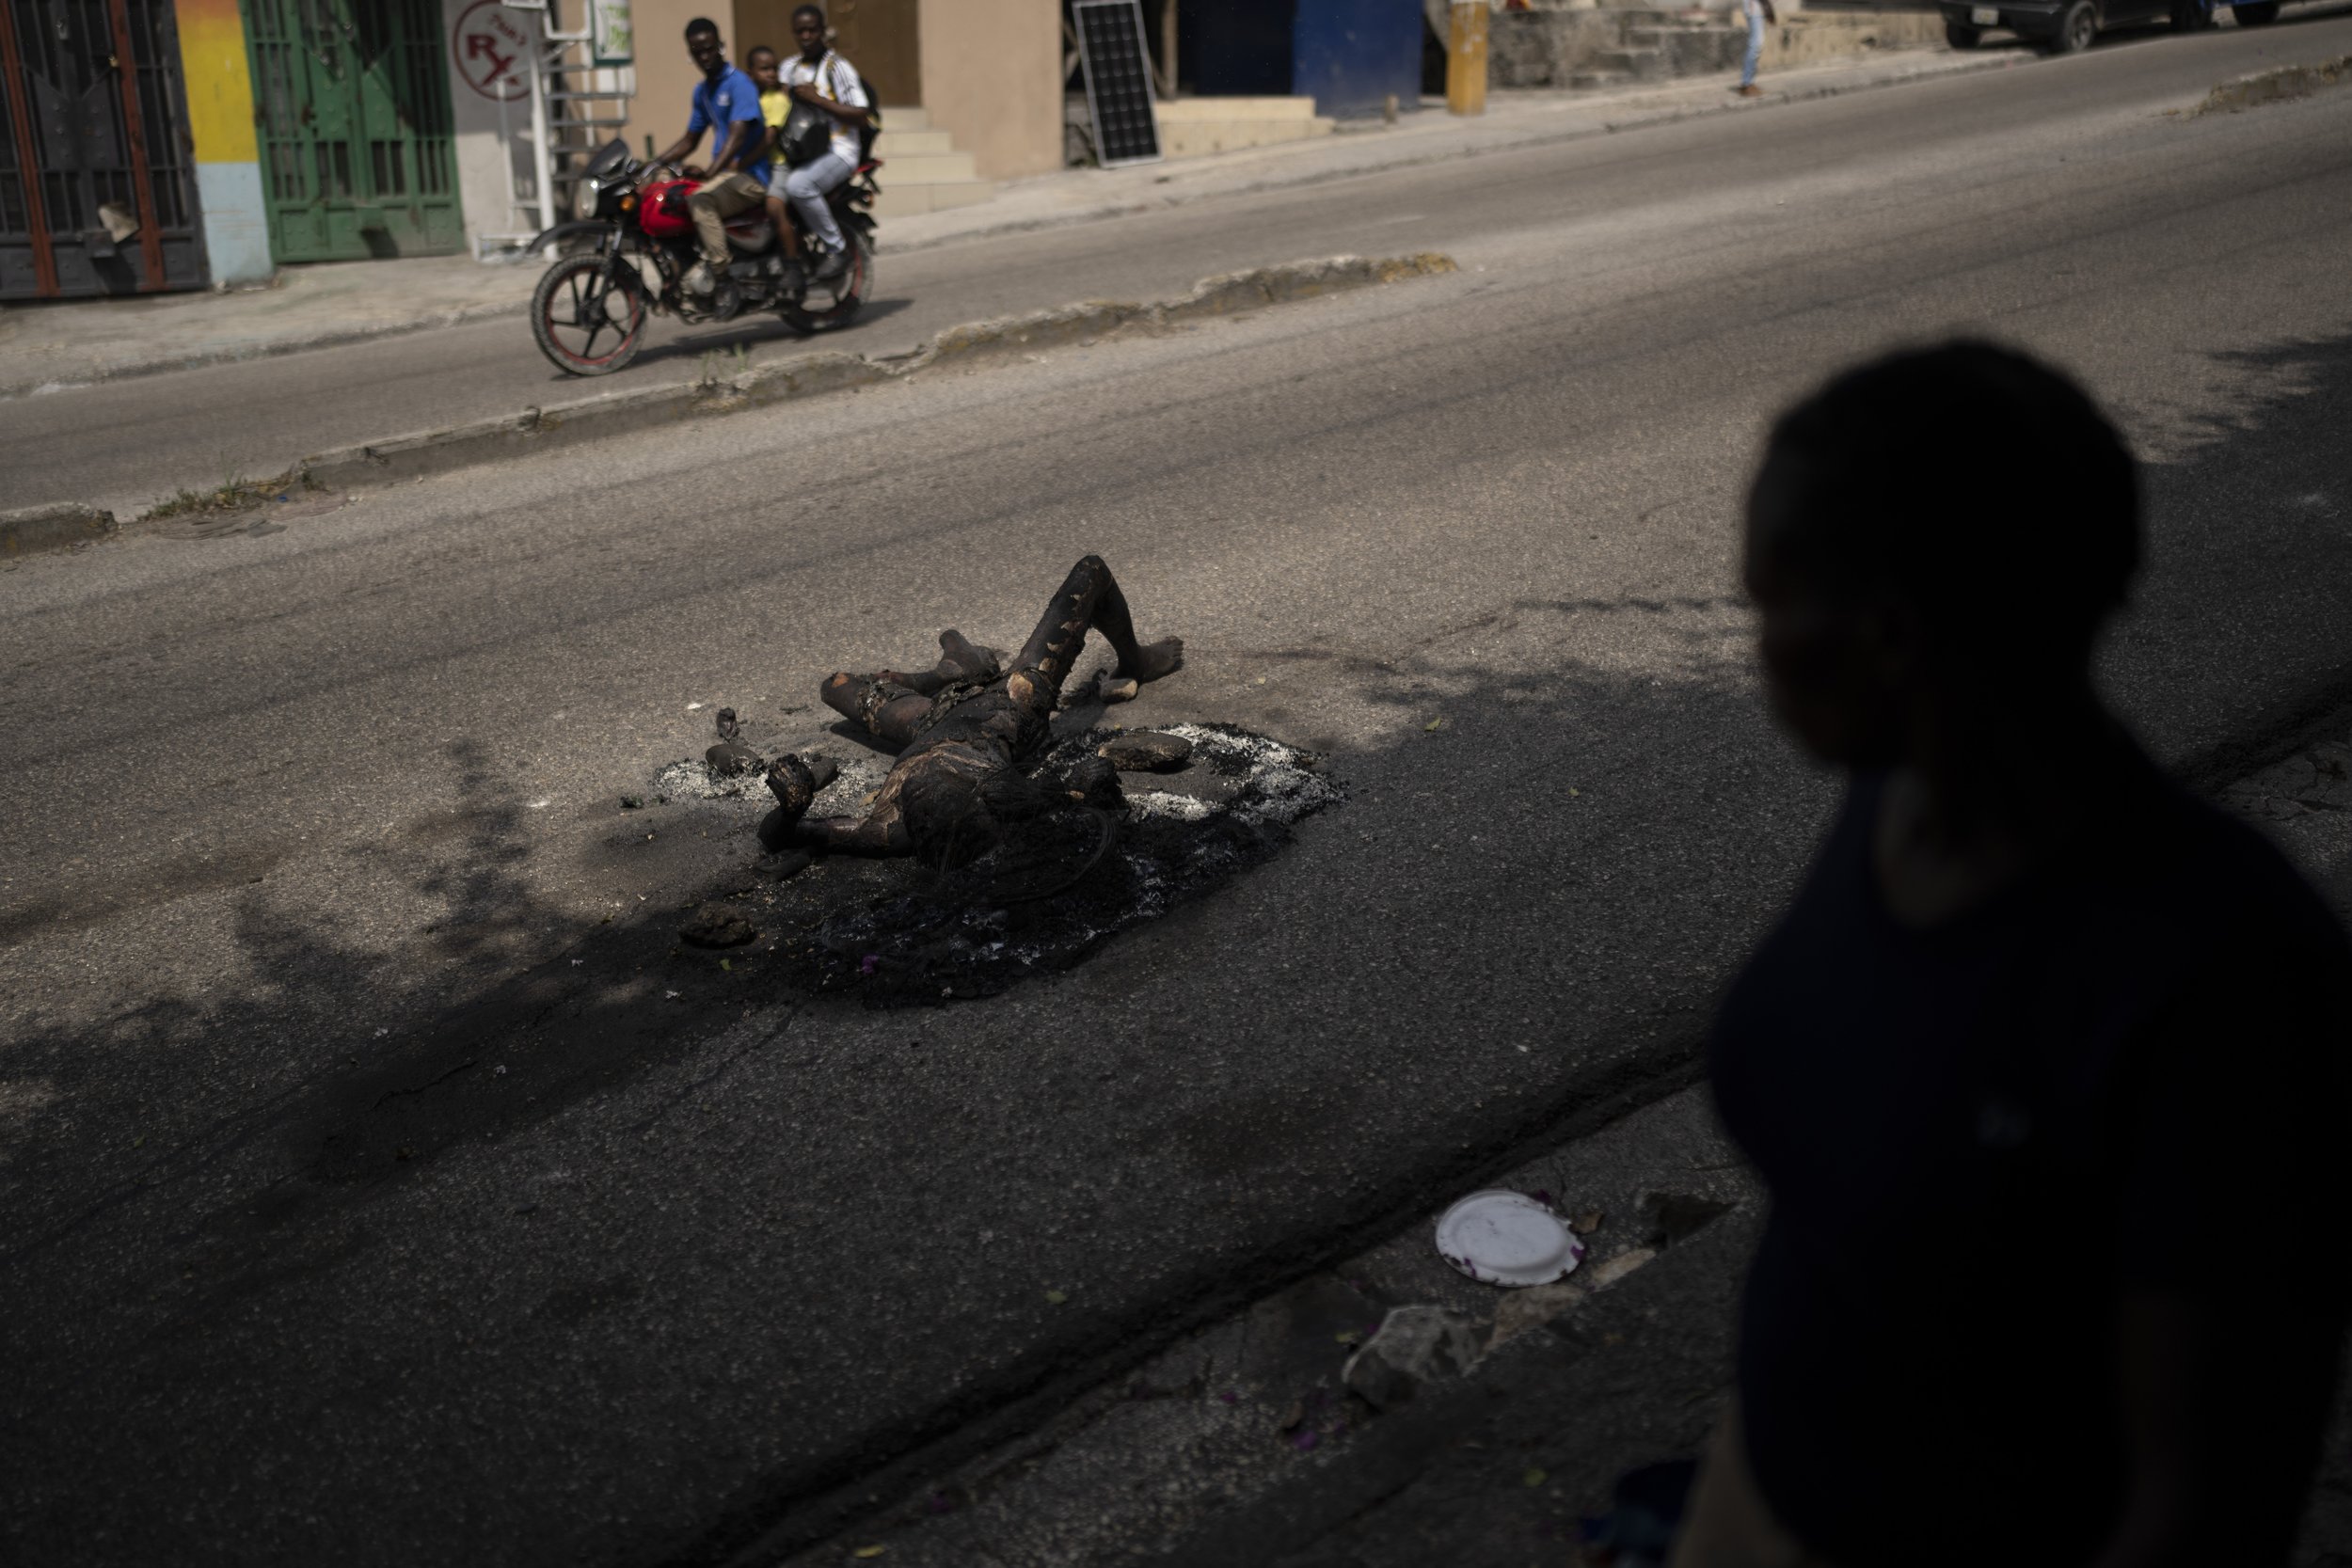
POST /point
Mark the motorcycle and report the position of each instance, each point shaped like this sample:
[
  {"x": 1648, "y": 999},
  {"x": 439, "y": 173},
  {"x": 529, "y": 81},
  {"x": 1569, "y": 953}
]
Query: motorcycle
[{"x": 627, "y": 262}]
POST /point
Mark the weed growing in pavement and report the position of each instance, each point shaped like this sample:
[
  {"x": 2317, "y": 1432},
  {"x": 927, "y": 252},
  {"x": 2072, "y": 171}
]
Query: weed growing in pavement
[
  {"x": 234, "y": 493},
  {"x": 718, "y": 367}
]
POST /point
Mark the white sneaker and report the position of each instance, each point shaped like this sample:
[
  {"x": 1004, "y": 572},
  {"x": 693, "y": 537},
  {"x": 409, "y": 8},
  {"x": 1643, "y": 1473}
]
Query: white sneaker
[{"x": 698, "y": 280}]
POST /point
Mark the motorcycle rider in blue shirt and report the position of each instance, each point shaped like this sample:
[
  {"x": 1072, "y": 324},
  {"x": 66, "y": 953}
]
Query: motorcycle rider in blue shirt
[{"x": 737, "y": 179}]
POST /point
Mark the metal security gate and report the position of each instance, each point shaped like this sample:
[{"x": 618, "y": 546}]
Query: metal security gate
[
  {"x": 96, "y": 195},
  {"x": 352, "y": 102}
]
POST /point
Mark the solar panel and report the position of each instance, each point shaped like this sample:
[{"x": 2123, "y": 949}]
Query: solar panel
[{"x": 1119, "y": 81}]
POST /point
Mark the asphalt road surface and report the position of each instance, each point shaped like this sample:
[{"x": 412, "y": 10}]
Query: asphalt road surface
[
  {"x": 127, "y": 444},
  {"x": 380, "y": 1185}
]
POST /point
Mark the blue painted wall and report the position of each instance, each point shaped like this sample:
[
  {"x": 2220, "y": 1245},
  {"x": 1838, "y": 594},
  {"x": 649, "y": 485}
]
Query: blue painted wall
[{"x": 1350, "y": 54}]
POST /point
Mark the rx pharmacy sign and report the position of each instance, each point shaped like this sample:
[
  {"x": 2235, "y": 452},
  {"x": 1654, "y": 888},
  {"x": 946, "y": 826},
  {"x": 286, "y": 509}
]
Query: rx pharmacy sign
[{"x": 490, "y": 49}]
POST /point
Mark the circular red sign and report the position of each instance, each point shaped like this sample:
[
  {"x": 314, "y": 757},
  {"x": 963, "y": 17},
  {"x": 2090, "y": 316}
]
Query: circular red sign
[{"x": 490, "y": 49}]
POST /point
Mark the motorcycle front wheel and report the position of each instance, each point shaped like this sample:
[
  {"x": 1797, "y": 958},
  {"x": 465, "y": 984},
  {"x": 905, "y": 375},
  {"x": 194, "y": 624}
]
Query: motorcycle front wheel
[
  {"x": 847, "y": 292},
  {"x": 588, "y": 314}
]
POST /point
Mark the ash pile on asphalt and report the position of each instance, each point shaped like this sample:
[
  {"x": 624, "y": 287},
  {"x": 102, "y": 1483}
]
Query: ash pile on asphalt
[{"x": 1064, "y": 884}]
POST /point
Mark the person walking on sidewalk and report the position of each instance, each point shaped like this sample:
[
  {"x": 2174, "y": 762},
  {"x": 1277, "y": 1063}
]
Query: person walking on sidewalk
[
  {"x": 2045, "y": 1067},
  {"x": 727, "y": 105},
  {"x": 1758, "y": 13}
]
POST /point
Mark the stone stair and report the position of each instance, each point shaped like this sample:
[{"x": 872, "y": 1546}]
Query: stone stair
[
  {"x": 1659, "y": 46},
  {"x": 922, "y": 171}
]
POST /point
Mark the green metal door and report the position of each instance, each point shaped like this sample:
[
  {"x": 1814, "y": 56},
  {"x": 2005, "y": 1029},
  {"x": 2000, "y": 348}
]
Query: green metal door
[{"x": 352, "y": 100}]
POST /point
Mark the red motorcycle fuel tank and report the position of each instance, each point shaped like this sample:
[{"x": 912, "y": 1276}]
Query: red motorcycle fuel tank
[{"x": 661, "y": 209}]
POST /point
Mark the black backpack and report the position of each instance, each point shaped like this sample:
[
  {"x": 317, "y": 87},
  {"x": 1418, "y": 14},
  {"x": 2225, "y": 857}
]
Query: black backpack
[
  {"x": 806, "y": 136},
  {"x": 808, "y": 130}
]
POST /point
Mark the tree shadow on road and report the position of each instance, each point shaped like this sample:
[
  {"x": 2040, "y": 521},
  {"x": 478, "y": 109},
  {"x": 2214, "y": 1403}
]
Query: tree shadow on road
[
  {"x": 758, "y": 337},
  {"x": 2253, "y": 508}
]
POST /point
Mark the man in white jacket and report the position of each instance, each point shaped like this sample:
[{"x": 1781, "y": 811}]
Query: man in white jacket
[{"x": 820, "y": 77}]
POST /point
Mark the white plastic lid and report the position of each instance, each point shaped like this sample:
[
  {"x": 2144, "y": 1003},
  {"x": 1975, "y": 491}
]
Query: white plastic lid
[{"x": 1504, "y": 1238}]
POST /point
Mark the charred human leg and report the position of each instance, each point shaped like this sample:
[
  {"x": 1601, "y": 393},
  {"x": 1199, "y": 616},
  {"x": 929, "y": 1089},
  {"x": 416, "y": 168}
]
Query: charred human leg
[
  {"x": 1089, "y": 600},
  {"x": 882, "y": 705},
  {"x": 891, "y": 704}
]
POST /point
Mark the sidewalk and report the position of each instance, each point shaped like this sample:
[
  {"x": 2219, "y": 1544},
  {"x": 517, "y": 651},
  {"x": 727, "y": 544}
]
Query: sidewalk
[
  {"x": 1514, "y": 119},
  {"x": 49, "y": 346}
]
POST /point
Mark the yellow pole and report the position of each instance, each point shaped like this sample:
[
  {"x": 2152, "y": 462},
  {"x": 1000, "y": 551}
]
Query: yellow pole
[{"x": 1466, "y": 58}]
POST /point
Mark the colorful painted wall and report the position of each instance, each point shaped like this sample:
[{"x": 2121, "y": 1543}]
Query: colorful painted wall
[{"x": 227, "y": 157}]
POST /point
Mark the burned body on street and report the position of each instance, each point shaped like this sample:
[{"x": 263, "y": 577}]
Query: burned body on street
[
  {"x": 999, "y": 845},
  {"x": 967, "y": 732}
]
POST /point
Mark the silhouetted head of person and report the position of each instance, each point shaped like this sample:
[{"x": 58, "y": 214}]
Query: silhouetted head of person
[{"x": 1933, "y": 542}]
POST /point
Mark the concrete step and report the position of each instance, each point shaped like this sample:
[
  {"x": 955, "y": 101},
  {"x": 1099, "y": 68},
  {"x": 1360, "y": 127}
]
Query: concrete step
[
  {"x": 1583, "y": 79},
  {"x": 1198, "y": 138},
  {"x": 922, "y": 171},
  {"x": 1197, "y": 127},
  {"x": 1235, "y": 108},
  {"x": 905, "y": 201},
  {"x": 928, "y": 168},
  {"x": 895, "y": 143}
]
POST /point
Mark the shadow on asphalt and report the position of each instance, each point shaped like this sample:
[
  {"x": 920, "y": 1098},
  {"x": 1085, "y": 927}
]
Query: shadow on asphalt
[
  {"x": 766, "y": 332},
  {"x": 2256, "y": 510}
]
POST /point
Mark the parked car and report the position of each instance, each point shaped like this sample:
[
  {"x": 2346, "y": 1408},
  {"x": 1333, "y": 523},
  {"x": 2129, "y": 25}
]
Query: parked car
[{"x": 2067, "y": 27}]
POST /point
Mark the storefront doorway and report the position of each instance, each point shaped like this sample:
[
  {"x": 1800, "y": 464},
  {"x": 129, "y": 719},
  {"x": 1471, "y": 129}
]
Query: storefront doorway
[
  {"x": 352, "y": 102},
  {"x": 95, "y": 195}
]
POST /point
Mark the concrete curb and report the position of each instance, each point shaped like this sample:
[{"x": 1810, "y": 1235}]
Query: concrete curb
[
  {"x": 2276, "y": 86},
  {"x": 534, "y": 430},
  {"x": 60, "y": 526}
]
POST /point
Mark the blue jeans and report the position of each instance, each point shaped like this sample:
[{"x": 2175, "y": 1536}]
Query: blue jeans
[
  {"x": 1756, "y": 47},
  {"x": 806, "y": 188}
]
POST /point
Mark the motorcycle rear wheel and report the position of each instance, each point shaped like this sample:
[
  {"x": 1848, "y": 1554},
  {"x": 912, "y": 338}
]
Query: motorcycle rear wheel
[
  {"x": 585, "y": 304},
  {"x": 849, "y": 290}
]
